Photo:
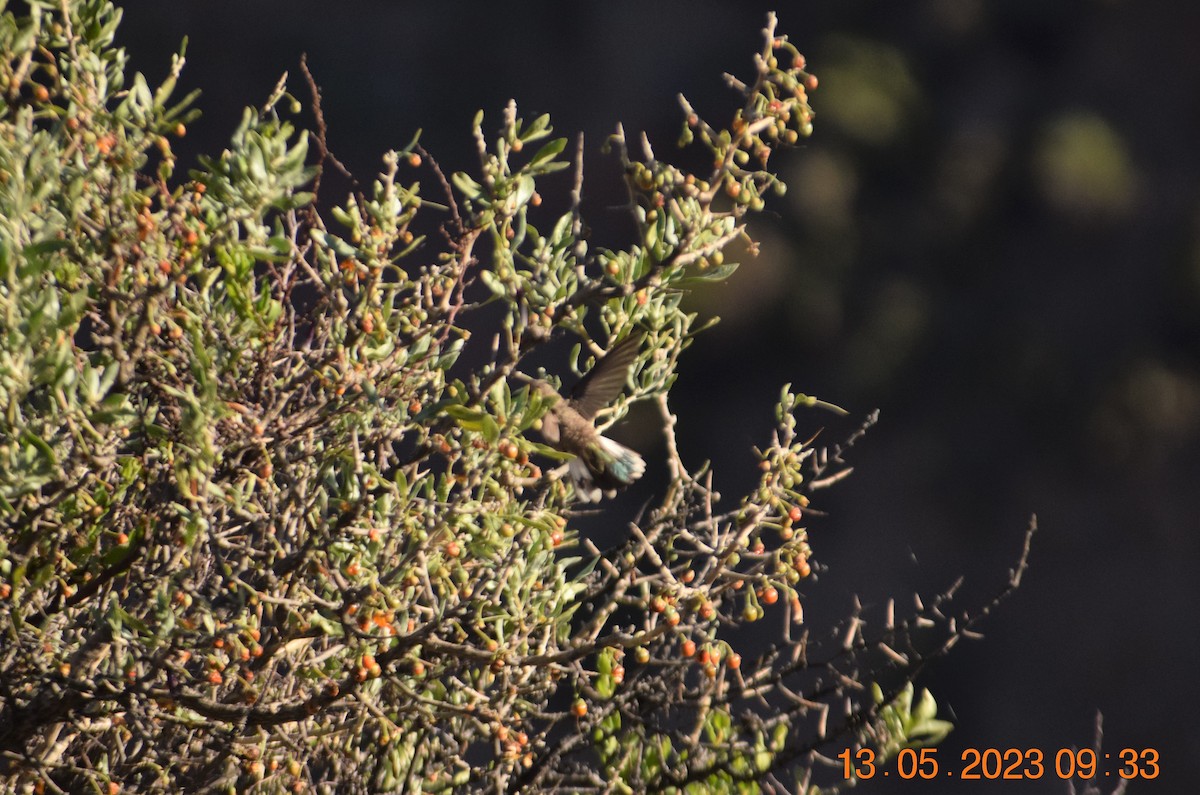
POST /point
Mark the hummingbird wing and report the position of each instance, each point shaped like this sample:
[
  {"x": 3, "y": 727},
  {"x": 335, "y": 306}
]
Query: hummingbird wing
[{"x": 605, "y": 381}]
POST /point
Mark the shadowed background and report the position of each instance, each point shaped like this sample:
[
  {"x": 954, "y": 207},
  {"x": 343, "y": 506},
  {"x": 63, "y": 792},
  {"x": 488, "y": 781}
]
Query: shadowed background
[{"x": 993, "y": 236}]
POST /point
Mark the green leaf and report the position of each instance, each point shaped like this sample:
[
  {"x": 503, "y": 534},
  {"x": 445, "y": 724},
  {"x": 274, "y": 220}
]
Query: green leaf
[
  {"x": 468, "y": 419},
  {"x": 493, "y": 283},
  {"x": 467, "y": 186},
  {"x": 549, "y": 151},
  {"x": 340, "y": 247},
  {"x": 44, "y": 247},
  {"x": 716, "y": 273},
  {"x": 587, "y": 569},
  {"x": 525, "y": 190},
  {"x": 550, "y": 452}
]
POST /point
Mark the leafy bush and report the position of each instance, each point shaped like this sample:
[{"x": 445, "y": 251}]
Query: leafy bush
[{"x": 266, "y": 527}]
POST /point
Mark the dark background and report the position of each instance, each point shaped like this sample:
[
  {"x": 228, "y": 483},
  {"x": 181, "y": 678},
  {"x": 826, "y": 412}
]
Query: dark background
[{"x": 992, "y": 237}]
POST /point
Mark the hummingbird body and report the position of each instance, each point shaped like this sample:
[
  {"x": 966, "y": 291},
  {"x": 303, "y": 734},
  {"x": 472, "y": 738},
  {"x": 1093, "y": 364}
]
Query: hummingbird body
[{"x": 601, "y": 466}]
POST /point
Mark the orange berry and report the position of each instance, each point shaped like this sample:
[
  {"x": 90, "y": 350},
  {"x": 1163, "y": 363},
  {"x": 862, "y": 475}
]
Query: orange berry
[
  {"x": 414, "y": 160},
  {"x": 688, "y": 648},
  {"x": 734, "y": 661},
  {"x": 453, "y": 550},
  {"x": 579, "y": 708},
  {"x": 802, "y": 567},
  {"x": 795, "y": 513},
  {"x": 769, "y": 595}
]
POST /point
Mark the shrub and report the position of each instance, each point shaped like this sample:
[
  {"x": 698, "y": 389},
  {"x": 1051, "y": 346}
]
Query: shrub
[{"x": 265, "y": 526}]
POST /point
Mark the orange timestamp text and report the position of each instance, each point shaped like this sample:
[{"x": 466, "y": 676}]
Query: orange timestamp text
[{"x": 990, "y": 764}]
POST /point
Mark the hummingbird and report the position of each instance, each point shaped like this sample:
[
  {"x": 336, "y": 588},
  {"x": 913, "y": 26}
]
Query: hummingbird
[{"x": 600, "y": 466}]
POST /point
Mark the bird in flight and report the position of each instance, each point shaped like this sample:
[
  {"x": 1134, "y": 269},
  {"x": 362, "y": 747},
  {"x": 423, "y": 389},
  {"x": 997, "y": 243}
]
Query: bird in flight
[{"x": 600, "y": 466}]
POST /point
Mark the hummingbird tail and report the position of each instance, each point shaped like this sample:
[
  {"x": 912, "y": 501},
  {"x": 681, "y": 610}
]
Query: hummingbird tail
[
  {"x": 604, "y": 469},
  {"x": 626, "y": 466}
]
